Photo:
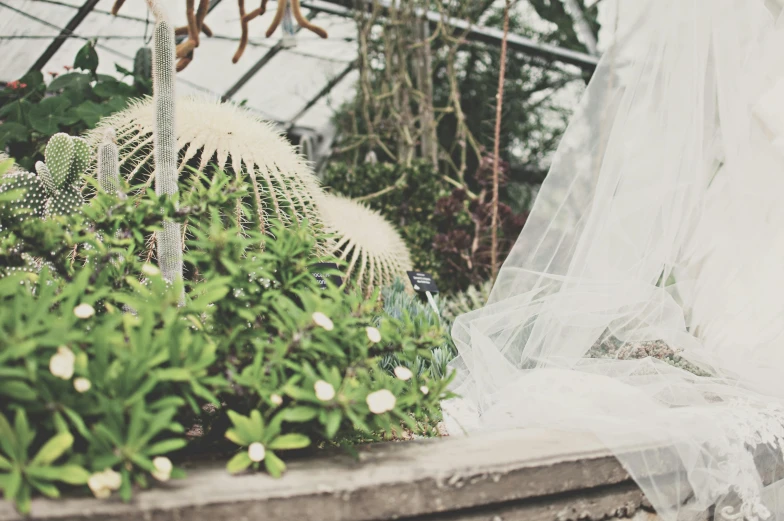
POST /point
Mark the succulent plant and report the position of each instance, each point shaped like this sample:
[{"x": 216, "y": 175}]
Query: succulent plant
[
  {"x": 54, "y": 191},
  {"x": 373, "y": 248},
  {"x": 108, "y": 164},
  {"x": 229, "y": 137},
  {"x": 466, "y": 301}
]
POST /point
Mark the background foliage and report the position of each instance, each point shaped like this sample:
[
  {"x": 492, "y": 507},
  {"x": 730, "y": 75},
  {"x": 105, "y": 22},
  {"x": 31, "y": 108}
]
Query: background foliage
[{"x": 31, "y": 111}]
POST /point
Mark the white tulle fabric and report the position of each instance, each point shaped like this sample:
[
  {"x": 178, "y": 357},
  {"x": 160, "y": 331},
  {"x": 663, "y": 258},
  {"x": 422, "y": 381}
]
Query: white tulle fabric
[{"x": 659, "y": 231}]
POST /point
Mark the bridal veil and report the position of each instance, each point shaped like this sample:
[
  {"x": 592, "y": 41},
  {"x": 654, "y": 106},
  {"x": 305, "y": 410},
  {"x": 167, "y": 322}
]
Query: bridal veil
[{"x": 644, "y": 300}]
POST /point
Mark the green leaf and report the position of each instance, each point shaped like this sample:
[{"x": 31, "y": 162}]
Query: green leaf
[
  {"x": 77, "y": 81},
  {"x": 113, "y": 88},
  {"x": 46, "y": 116},
  {"x": 299, "y": 414},
  {"x": 166, "y": 446},
  {"x": 53, "y": 449},
  {"x": 11, "y": 132},
  {"x": 12, "y": 485},
  {"x": 332, "y": 425},
  {"x": 173, "y": 374},
  {"x": 90, "y": 112},
  {"x": 16, "y": 111},
  {"x": 274, "y": 464},
  {"x": 235, "y": 437},
  {"x": 290, "y": 442},
  {"x": 18, "y": 390},
  {"x": 4, "y": 464},
  {"x": 71, "y": 474},
  {"x": 47, "y": 489},
  {"x": 245, "y": 428},
  {"x": 87, "y": 58},
  {"x": 239, "y": 462}
]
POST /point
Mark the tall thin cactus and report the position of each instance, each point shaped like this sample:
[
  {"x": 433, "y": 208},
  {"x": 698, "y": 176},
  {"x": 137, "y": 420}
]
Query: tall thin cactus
[
  {"x": 109, "y": 164},
  {"x": 165, "y": 143}
]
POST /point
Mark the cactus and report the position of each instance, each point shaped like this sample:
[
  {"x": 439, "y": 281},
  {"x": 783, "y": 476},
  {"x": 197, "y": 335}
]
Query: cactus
[
  {"x": 108, "y": 164},
  {"x": 54, "y": 190},
  {"x": 231, "y": 138},
  {"x": 165, "y": 144},
  {"x": 142, "y": 64},
  {"x": 370, "y": 244}
]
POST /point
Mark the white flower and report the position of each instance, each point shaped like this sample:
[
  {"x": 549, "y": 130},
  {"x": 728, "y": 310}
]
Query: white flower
[
  {"x": 82, "y": 385},
  {"x": 323, "y": 320},
  {"x": 62, "y": 363},
  {"x": 102, "y": 483},
  {"x": 424, "y": 389},
  {"x": 373, "y": 334},
  {"x": 151, "y": 270},
  {"x": 163, "y": 468},
  {"x": 112, "y": 479},
  {"x": 84, "y": 311},
  {"x": 256, "y": 452},
  {"x": 324, "y": 390},
  {"x": 404, "y": 373},
  {"x": 276, "y": 399},
  {"x": 381, "y": 401}
]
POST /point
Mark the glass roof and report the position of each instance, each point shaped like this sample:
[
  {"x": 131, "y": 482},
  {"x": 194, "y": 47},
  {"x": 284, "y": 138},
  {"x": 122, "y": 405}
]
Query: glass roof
[
  {"x": 293, "y": 87},
  {"x": 279, "y": 91}
]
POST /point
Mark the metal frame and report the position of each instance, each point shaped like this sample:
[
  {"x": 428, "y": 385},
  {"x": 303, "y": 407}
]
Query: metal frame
[
  {"x": 474, "y": 33},
  {"x": 65, "y": 33},
  {"x": 343, "y": 8},
  {"x": 264, "y": 60},
  {"x": 322, "y": 93}
]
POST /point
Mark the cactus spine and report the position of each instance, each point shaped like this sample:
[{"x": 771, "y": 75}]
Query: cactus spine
[
  {"x": 164, "y": 141},
  {"x": 109, "y": 164}
]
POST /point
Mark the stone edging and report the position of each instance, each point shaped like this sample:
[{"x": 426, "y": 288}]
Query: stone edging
[{"x": 529, "y": 475}]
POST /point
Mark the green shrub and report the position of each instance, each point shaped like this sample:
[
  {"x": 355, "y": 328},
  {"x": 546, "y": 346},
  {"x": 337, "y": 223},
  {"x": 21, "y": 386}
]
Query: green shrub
[
  {"x": 447, "y": 229},
  {"x": 117, "y": 378}
]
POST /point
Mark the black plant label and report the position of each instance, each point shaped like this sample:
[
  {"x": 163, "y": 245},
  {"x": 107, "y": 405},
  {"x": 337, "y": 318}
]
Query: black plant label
[
  {"x": 422, "y": 282},
  {"x": 322, "y": 279}
]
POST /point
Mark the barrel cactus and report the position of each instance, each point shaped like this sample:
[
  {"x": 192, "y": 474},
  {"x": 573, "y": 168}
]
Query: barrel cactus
[
  {"x": 55, "y": 190},
  {"x": 226, "y": 136},
  {"x": 372, "y": 247}
]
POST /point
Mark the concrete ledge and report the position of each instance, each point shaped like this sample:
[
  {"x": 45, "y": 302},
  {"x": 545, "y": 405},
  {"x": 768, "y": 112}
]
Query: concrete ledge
[{"x": 527, "y": 475}]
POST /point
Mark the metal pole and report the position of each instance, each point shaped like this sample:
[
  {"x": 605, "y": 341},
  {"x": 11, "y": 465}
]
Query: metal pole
[
  {"x": 65, "y": 33},
  {"x": 323, "y": 92},
  {"x": 475, "y": 33}
]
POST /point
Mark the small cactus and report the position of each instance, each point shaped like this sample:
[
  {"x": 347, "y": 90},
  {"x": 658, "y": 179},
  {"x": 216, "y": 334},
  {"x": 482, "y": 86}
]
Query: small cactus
[
  {"x": 109, "y": 164},
  {"x": 54, "y": 190},
  {"x": 142, "y": 64}
]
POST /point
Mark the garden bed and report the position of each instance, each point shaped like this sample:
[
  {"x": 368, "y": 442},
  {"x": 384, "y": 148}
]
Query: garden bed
[{"x": 524, "y": 475}]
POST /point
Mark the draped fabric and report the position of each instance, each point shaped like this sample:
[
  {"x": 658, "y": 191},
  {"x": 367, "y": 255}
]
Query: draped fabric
[{"x": 644, "y": 300}]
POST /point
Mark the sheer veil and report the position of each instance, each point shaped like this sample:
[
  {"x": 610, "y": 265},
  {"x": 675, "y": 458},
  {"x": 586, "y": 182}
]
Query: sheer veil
[{"x": 644, "y": 300}]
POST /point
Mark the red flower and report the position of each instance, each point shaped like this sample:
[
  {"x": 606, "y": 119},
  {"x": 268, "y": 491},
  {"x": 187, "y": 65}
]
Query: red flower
[{"x": 16, "y": 85}]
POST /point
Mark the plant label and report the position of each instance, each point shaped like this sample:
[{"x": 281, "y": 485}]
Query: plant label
[
  {"x": 422, "y": 282},
  {"x": 322, "y": 279}
]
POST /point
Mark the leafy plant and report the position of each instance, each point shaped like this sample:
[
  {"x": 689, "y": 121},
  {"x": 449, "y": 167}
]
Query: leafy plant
[
  {"x": 94, "y": 344},
  {"x": 21, "y": 473},
  {"x": 32, "y": 111},
  {"x": 447, "y": 229}
]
